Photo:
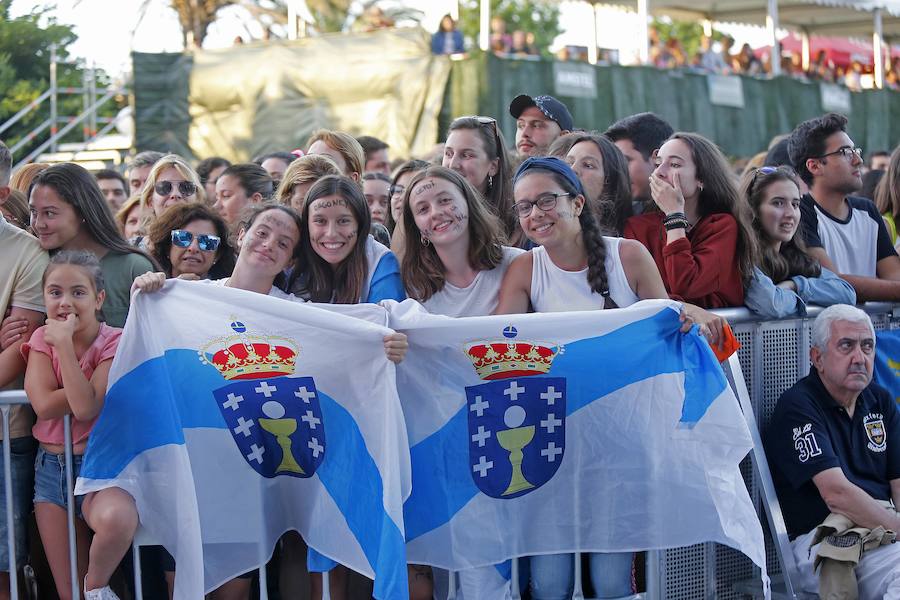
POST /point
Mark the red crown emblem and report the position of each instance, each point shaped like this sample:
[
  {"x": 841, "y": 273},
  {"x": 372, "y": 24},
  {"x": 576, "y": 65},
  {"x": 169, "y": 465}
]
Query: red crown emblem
[
  {"x": 250, "y": 356},
  {"x": 502, "y": 359}
]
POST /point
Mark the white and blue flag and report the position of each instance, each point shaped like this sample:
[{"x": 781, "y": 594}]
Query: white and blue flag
[
  {"x": 232, "y": 417},
  {"x": 600, "y": 431}
]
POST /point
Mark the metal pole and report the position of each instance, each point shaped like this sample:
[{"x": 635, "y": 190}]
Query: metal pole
[
  {"x": 292, "y": 20},
  {"x": 138, "y": 583},
  {"x": 86, "y": 101},
  {"x": 10, "y": 509},
  {"x": 643, "y": 31},
  {"x": 484, "y": 33},
  {"x": 577, "y": 590},
  {"x": 771, "y": 28},
  {"x": 93, "y": 98},
  {"x": 806, "y": 49},
  {"x": 592, "y": 45},
  {"x": 54, "y": 113},
  {"x": 877, "y": 41},
  {"x": 70, "y": 508},
  {"x": 653, "y": 574},
  {"x": 515, "y": 593}
]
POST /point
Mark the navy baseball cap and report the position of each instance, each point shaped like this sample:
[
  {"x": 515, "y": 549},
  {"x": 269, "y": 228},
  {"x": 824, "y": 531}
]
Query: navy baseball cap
[{"x": 552, "y": 108}]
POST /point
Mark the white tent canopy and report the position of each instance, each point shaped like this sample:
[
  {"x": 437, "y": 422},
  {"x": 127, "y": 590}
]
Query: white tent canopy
[{"x": 846, "y": 18}]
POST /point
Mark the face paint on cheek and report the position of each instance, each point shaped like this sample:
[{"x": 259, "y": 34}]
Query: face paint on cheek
[
  {"x": 564, "y": 214},
  {"x": 460, "y": 219}
]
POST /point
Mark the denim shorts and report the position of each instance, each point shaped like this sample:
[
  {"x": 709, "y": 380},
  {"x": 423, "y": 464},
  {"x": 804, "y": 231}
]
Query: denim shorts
[
  {"x": 50, "y": 479},
  {"x": 22, "y": 467}
]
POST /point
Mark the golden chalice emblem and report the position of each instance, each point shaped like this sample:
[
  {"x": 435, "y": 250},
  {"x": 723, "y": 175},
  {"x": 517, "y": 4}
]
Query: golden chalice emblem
[
  {"x": 282, "y": 429},
  {"x": 514, "y": 440}
]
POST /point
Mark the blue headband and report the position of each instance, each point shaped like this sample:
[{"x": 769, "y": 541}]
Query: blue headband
[{"x": 553, "y": 164}]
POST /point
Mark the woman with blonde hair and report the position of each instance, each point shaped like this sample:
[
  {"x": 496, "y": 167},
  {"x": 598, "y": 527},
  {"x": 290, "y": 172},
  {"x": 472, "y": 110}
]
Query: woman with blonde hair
[
  {"x": 887, "y": 195},
  {"x": 171, "y": 181},
  {"x": 301, "y": 175},
  {"x": 342, "y": 147},
  {"x": 128, "y": 218},
  {"x": 22, "y": 177}
]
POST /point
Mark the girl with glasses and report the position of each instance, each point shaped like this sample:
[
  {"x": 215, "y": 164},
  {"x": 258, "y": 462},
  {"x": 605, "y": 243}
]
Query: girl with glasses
[
  {"x": 786, "y": 278},
  {"x": 192, "y": 240},
  {"x": 700, "y": 235}
]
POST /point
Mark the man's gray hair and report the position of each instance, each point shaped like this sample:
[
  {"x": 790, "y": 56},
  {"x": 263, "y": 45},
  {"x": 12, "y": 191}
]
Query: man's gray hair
[
  {"x": 146, "y": 158},
  {"x": 821, "y": 327},
  {"x": 5, "y": 164}
]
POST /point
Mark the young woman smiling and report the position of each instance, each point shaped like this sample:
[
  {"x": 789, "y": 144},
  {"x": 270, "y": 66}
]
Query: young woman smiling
[
  {"x": 786, "y": 278},
  {"x": 339, "y": 261}
]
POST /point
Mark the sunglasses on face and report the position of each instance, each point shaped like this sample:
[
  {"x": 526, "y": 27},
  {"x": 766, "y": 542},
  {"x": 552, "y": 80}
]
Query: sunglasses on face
[
  {"x": 186, "y": 188},
  {"x": 206, "y": 242}
]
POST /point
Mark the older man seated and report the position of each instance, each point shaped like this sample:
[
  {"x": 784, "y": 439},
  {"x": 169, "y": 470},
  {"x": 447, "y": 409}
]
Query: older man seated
[{"x": 834, "y": 448}]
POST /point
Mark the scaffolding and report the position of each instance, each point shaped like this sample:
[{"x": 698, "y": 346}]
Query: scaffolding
[{"x": 60, "y": 126}]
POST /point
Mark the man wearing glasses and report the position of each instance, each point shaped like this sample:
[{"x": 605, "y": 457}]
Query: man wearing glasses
[{"x": 844, "y": 233}]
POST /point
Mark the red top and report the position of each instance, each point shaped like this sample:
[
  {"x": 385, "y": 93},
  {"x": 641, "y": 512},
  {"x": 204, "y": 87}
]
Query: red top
[{"x": 703, "y": 267}]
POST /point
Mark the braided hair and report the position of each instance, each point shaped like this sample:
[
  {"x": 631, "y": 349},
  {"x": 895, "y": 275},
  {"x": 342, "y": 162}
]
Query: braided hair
[{"x": 591, "y": 236}]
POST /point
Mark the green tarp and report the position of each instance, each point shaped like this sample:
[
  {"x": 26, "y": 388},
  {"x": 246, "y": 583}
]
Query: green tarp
[{"x": 246, "y": 100}]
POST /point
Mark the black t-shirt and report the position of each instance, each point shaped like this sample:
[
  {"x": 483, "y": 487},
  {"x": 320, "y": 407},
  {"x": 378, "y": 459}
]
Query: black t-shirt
[{"x": 810, "y": 432}]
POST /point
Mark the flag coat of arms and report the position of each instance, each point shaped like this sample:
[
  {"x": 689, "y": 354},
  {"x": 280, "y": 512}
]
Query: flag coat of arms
[
  {"x": 602, "y": 431},
  {"x": 232, "y": 417}
]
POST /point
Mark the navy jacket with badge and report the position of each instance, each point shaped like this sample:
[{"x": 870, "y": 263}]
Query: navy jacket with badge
[{"x": 810, "y": 432}]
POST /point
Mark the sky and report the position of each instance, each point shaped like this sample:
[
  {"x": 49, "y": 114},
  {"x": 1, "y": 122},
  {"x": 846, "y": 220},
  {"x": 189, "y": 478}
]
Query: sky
[{"x": 109, "y": 30}]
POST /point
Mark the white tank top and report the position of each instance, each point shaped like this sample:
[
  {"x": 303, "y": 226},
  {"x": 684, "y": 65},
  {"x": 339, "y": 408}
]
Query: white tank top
[
  {"x": 476, "y": 300},
  {"x": 556, "y": 290}
]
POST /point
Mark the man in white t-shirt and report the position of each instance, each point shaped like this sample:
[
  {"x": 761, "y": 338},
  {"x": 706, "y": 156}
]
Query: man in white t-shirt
[
  {"x": 21, "y": 269},
  {"x": 844, "y": 232}
]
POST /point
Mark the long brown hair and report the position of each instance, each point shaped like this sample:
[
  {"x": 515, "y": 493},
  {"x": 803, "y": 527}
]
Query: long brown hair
[
  {"x": 792, "y": 259},
  {"x": 313, "y": 278},
  {"x": 159, "y": 237},
  {"x": 887, "y": 193},
  {"x": 719, "y": 194},
  {"x": 499, "y": 189},
  {"x": 422, "y": 269}
]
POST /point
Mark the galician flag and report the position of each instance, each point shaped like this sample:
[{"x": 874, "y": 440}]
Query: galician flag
[
  {"x": 600, "y": 431},
  {"x": 232, "y": 417}
]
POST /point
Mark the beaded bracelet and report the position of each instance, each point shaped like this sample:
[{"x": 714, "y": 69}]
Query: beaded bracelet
[{"x": 675, "y": 224}]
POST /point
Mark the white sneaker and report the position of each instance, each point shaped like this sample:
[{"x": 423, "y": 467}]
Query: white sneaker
[{"x": 104, "y": 593}]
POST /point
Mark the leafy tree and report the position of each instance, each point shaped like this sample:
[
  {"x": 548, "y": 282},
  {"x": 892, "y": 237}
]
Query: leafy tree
[
  {"x": 25, "y": 74},
  {"x": 687, "y": 32},
  {"x": 540, "y": 17}
]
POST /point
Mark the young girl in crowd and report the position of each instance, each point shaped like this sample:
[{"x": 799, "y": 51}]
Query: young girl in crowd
[
  {"x": 339, "y": 261},
  {"x": 786, "y": 278},
  {"x": 573, "y": 268},
  {"x": 402, "y": 176},
  {"x": 603, "y": 172},
  {"x": 69, "y": 212},
  {"x": 475, "y": 148},
  {"x": 700, "y": 237},
  {"x": 269, "y": 240},
  {"x": 171, "y": 181},
  {"x": 68, "y": 365},
  {"x": 240, "y": 185},
  {"x": 455, "y": 269}
]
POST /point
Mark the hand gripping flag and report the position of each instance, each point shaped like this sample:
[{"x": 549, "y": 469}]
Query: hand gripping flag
[
  {"x": 232, "y": 417},
  {"x": 601, "y": 431}
]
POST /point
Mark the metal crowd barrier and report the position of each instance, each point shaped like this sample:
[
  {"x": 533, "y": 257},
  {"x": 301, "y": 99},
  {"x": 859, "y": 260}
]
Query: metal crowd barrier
[{"x": 773, "y": 355}]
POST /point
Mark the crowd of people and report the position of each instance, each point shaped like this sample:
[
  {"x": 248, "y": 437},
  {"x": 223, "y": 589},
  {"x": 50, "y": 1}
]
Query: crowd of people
[{"x": 568, "y": 218}]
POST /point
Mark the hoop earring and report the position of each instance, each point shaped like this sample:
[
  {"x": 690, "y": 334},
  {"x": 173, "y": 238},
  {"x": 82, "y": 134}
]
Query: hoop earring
[
  {"x": 700, "y": 186},
  {"x": 425, "y": 241}
]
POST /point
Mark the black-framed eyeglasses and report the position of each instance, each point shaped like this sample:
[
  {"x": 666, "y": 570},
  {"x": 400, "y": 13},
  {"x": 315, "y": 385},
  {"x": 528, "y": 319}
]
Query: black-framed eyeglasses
[
  {"x": 206, "y": 242},
  {"x": 845, "y": 151},
  {"x": 544, "y": 202},
  {"x": 186, "y": 188}
]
